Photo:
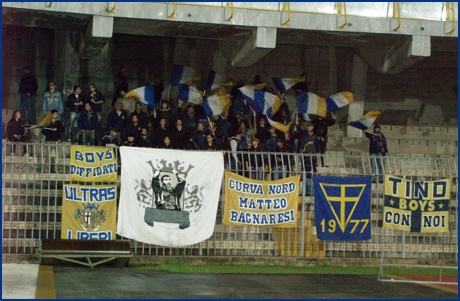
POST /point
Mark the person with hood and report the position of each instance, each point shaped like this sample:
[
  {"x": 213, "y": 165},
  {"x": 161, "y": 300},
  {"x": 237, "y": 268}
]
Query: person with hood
[
  {"x": 377, "y": 149},
  {"x": 110, "y": 139}
]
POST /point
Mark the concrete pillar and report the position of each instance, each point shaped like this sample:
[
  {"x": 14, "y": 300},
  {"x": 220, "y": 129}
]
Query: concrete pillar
[
  {"x": 358, "y": 88},
  {"x": 97, "y": 34},
  {"x": 261, "y": 42},
  {"x": 332, "y": 71}
]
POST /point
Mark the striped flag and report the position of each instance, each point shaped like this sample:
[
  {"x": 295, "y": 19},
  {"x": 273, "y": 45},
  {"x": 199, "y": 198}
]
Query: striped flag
[
  {"x": 339, "y": 100},
  {"x": 284, "y": 84},
  {"x": 190, "y": 94},
  {"x": 310, "y": 103},
  {"x": 216, "y": 104},
  {"x": 365, "y": 122},
  {"x": 183, "y": 75},
  {"x": 143, "y": 94},
  {"x": 265, "y": 103},
  {"x": 215, "y": 80}
]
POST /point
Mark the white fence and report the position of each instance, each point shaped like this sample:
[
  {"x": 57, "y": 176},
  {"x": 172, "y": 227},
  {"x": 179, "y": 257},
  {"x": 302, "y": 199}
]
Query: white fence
[{"x": 32, "y": 207}]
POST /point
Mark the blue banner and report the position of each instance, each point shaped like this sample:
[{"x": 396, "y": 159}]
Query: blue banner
[{"x": 343, "y": 207}]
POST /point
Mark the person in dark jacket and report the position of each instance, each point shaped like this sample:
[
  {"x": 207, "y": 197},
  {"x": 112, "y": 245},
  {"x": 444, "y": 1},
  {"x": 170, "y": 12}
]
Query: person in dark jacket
[
  {"x": 117, "y": 119},
  {"x": 282, "y": 160},
  {"x": 74, "y": 103},
  {"x": 88, "y": 123},
  {"x": 55, "y": 129},
  {"x": 262, "y": 128},
  {"x": 321, "y": 124},
  {"x": 309, "y": 147},
  {"x": 121, "y": 84},
  {"x": 255, "y": 163},
  {"x": 210, "y": 143},
  {"x": 142, "y": 117},
  {"x": 110, "y": 139},
  {"x": 97, "y": 100},
  {"x": 132, "y": 128},
  {"x": 165, "y": 112},
  {"x": 27, "y": 89},
  {"x": 223, "y": 126},
  {"x": 199, "y": 136},
  {"x": 377, "y": 149},
  {"x": 179, "y": 135},
  {"x": 144, "y": 139},
  {"x": 15, "y": 131}
]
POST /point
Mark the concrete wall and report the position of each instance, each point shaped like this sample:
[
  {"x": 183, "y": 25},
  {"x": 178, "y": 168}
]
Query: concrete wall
[{"x": 421, "y": 94}]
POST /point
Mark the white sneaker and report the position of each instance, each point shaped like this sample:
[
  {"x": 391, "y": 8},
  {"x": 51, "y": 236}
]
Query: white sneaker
[
  {"x": 12, "y": 154},
  {"x": 26, "y": 155}
]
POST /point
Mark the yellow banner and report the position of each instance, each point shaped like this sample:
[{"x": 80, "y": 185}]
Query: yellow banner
[
  {"x": 92, "y": 164},
  {"x": 260, "y": 203},
  {"x": 416, "y": 206},
  {"x": 89, "y": 212}
]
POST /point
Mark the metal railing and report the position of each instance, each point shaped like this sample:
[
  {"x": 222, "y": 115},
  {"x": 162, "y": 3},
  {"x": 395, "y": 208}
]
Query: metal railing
[{"x": 32, "y": 206}]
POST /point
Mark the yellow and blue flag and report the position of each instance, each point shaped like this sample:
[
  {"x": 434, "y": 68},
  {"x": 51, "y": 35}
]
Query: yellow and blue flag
[
  {"x": 190, "y": 94},
  {"x": 365, "y": 122},
  {"x": 342, "y": 207},
  {"x": 144, "y": 94},
  {"x": 215, "y": 81},
  {"x": 284, "y": 84},
  {"x": 339, "y": 100},
  {"x": 183, "y": 75},
  {"x": 265, "y": 103},
  {"x": 310, "y": 103},
  {"x": 216, "y": 104},
  {"x": 416, "y": 206}
]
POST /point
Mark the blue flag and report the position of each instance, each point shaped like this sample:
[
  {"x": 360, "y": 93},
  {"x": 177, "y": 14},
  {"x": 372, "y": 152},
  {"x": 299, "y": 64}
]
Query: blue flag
[{"x": 343, "y": 207}]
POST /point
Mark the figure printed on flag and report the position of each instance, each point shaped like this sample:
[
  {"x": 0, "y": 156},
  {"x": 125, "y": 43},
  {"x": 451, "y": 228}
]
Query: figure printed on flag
[{"x": 167, "y": 196}]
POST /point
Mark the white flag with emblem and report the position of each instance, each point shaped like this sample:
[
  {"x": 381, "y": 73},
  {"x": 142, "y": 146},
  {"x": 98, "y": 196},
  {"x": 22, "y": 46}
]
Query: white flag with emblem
[{"x": 169, "y": 197}]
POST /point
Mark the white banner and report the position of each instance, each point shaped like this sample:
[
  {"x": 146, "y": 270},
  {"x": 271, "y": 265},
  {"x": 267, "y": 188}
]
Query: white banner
[{"x": 169, "y": 197}]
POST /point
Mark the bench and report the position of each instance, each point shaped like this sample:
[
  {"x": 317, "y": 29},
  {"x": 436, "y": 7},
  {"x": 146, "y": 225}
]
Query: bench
[{"x": 53, "y": 251}]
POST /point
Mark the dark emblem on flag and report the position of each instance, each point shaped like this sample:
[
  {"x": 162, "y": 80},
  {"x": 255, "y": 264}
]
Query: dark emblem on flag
[
  {"x": 90, "y": 218},
  {"x": 167, "y": 197}
]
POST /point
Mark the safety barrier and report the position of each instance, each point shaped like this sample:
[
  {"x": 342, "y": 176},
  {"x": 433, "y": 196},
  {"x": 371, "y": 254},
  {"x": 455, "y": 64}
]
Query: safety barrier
[{"x": 32, "y": 206}]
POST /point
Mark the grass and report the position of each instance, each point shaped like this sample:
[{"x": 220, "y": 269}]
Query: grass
[{"x": 174, "y": 267}]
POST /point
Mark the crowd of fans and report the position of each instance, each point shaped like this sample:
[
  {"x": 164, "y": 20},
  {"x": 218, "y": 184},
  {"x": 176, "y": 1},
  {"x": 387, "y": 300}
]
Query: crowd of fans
[{"x": 174, "y": 124}]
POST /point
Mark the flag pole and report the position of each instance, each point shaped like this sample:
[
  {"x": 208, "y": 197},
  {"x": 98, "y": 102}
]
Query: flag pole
[
  {"x": 169, "y": 90},
  {"x": 254, "y": 112}
]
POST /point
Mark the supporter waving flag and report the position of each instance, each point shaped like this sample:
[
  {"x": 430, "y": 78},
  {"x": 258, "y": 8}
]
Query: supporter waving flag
[
  {"x": 215, "y": 81},
  {"x": 310, "y": 103},
  {"x": 265, "y": 103},
  {"x": 216, "y": 104},
  {"x": 190, "y": 94},
  {"x": 365, "y": 122},
  {"x": 183, "y": 75},
  {"x": 284, "y": 84},
  {"x": 143, "y": 94}
]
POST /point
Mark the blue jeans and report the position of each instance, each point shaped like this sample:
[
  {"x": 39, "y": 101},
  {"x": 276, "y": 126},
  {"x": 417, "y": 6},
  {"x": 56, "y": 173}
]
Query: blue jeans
[
  {"x": 27, "y": 104},
  {"x": 73, "y": 118},
  {"x": 279, "y": 172},
  {"x": 377, "y": 160},
  {"x": 87, "y": 136}
]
